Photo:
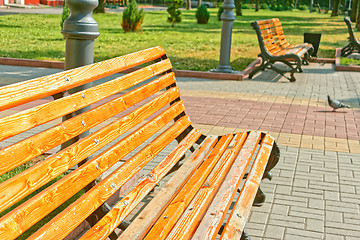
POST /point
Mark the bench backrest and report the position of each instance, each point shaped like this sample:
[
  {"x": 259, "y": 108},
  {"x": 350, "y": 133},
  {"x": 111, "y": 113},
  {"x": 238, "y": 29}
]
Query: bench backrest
[
  {"x": 139, "y": 114},
  {"x": 270, "y": 35},
  {"x": 352, "y": 36}
]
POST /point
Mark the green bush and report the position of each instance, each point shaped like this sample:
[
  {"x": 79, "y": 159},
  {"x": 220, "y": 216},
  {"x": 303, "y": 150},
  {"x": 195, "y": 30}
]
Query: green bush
[
  {"x": 245, "y": 6},
  {"x": 132, "y": 17},
  {"x": 202, "y": 14},
  {"x": 264, "y": 6},
  {"x": 65, "y": 14},
  {"x": 302, "y": 7},
  {"x": 175, "y": 13},
  {"x": 220, "y": 11}
]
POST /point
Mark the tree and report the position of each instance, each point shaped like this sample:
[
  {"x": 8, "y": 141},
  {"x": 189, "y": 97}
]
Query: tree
[
  {"x": 257, "y": 3},
  {"x": 354, "y": 10},
  {"x": 188, "y": 5},
  {"x": 358, "y": 16},
  {"x": 101, "y": 7},
  {"x": 335, "y": 11},
  {"x": 238, "y": 7},
  {"x": 175, "y": 13}
]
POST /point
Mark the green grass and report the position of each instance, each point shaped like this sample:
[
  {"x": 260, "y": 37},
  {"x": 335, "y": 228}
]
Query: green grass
[
  {"x": 189, "y": 45},
  {"x": 349, "y": 61}
]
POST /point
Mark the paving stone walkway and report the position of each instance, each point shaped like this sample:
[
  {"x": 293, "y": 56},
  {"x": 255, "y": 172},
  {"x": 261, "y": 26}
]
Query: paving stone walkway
[{"x": 315, "y": 191}]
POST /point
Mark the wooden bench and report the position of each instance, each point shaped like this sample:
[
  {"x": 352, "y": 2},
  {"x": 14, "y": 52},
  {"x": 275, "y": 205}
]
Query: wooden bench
[
  {"x": 137, "y": 119},
  {"x": 275, "y": 48},
  {"x": 354, "y": 43}
]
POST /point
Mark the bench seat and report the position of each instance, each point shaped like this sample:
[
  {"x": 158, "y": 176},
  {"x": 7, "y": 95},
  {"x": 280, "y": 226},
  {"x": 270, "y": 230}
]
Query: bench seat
[
  {"x": 137, "y": 126},
  {"x": 275, "y": 48}
]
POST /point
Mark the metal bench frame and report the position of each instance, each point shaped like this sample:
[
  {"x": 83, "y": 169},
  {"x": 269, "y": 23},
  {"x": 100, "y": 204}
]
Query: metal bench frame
[
  {"x": 354, "y": 43},
  {"x": 292, "y": 60}
]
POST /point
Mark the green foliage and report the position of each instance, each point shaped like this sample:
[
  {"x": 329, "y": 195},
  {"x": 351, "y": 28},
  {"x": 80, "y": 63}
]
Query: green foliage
[
  {"x": 65, "y": 14},
  {"x": 202, "y": 14},
  {"x": 245, "y": 6},
  {"x": 220, "y": 11},
  {"x": 101, "y": 7},
  {"x": 175, "y": 13},
  {"x": 238, "y": 7},
  {"x": 264, "y": 6},
  {"x": 132, "y": 17},
  {"x": 302, "y": 7},
  {"x": 349, "y": 61}
]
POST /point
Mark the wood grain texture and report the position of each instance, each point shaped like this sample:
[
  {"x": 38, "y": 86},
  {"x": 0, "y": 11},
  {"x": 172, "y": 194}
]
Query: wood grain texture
[
  {"x": 27, "y": 119},
  {"x": 19, "y": 93},
  {"x": 77, "y": 212},
  {"x": 238, "y": 217},
  {"x": 31, "y": 147},
  {"x": 120, "y": 211},
  {"x": 191, "y": 218},
  {"x": 214, "y": 217},
  {"x": 143, "y": 222},
  {"x": 29, "y": 180},
  {"x": 168, "y": 218}
]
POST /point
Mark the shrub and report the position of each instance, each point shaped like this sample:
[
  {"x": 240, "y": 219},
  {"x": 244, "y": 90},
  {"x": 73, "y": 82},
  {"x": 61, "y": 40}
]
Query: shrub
[
  {"x": 302, "y": 7},
  {"x": 245, "y": 6},
  {"x": 220, "y": 11},
  {"x": 264, "y": 6},
  {"x": 65, "y": 14},
  {"x": 132, "y": 17},
  {"x": 175, "y": 13},
  {"x": 202, "y": 14}
]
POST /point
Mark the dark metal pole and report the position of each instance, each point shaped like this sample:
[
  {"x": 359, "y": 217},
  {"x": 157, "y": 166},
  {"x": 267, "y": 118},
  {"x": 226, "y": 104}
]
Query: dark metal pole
[
  {"x": 227, "y": 18},
  {"x": 80, "y": 31}
]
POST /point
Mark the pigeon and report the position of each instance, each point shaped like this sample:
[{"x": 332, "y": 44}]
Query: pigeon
[{"x": 335, "y": 104}]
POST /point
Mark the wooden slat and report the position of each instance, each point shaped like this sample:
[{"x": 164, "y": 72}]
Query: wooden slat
[
  {"x": 189, "y": 221},
  {"x": 19, "y": 93},
  {"x": 142, "y": 223},
  {"x": 236, "y": 222},
  {"x": 120, "y": 211},
  {"x": 31, "y": 179},
  {"x": 66, "y": 221},
  {"x": 33, "y": 146},
  {"x": 27, "y": 119},
  {"x": 177, "y": 206},
  {"x": 32, "y": 211},
  {"x": 214, "y": 217}
]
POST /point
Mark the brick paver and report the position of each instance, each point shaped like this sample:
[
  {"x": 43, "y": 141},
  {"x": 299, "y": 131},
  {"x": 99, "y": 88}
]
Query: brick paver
[{"x": 314, "y": 193}]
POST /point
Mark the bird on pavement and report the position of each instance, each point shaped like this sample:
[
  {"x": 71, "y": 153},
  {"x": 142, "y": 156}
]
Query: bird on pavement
[{"x": 335, "y": 104}]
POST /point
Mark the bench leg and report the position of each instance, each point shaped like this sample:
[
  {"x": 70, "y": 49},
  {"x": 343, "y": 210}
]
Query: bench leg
[
  {"x": 259, "y": 198},
  {"x": 262, "y": 67},
  {"x": 347, "y": 50},
  {"x": 244, "y": 236}
]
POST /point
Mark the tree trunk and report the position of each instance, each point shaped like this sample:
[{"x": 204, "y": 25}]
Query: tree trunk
[
  {"x": 358, "y": 16},
  {"x": 238, "y": 11},
  {"x": 257, "y": 3},
  {"x": 335, "y": 11},
  {"x": 354, "y": 10},
  {"x": 188, "y": 4}
]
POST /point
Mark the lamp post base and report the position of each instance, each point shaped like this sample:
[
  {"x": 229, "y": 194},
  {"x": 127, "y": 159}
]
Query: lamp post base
[{"x": 223, "y": 69}]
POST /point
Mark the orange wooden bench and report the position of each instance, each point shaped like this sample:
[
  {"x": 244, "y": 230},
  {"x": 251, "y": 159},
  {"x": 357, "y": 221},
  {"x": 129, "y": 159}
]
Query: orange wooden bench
[
  {"x": 138, "y": 123},
  {"x": 275, "y": 48}
]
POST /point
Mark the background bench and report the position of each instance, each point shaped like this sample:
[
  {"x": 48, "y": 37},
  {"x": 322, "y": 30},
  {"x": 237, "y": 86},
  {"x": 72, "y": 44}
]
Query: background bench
[
  {"x": 354, "y": 43},
  {"x": 137, "y": 125},
  {"x": 275, "y": 48}
]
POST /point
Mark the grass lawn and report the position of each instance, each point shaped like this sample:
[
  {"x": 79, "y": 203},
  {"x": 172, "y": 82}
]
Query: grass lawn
[{"x": 189, "y": 45}]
